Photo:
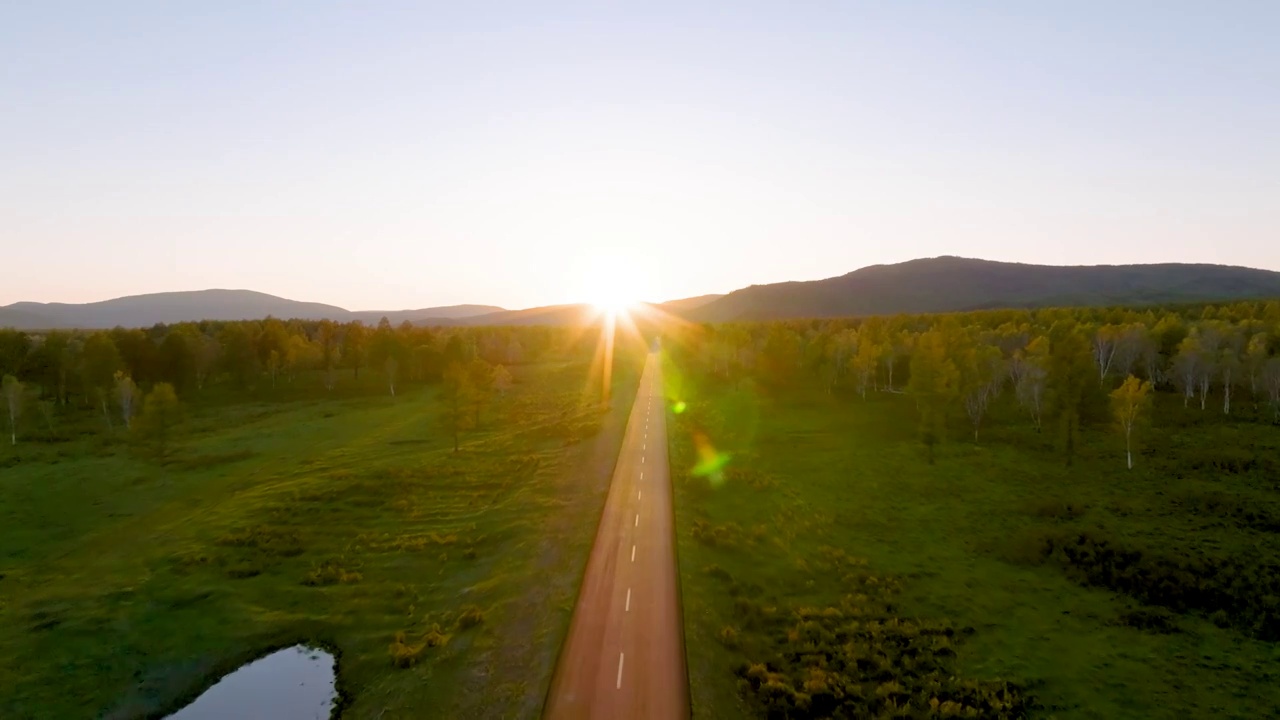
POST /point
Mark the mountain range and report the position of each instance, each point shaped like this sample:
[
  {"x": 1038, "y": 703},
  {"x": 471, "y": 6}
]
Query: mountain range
[{"x": 943, "y": 284}]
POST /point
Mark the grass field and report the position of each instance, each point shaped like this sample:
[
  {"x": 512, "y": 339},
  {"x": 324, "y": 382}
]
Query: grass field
[
  {"x": 817, "y": 485},
  {"x": 128, "y": 585}
]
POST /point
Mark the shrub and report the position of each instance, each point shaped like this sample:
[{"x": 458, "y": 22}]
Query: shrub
[
  {"x": 406, "y": 654},
  {"x": 823, "y": 663},
  {"x": 331, "y": 572},
  {"x": 1245, "y": 590},
  {"x": 471, "y": 616}
]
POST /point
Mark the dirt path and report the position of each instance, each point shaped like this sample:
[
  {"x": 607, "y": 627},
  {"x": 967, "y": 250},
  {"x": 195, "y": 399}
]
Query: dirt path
[{"x": 624, "y": 654}]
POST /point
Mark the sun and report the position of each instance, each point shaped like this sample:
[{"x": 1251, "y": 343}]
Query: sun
[
  {"x": 613, "y": 287},
  {"x": 614, "y": 303}
]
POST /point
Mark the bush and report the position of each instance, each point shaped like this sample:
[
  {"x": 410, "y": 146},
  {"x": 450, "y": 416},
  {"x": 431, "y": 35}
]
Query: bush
[
  {"x": 1245, "y": 590},
  {"x": 861, "y": 660},
  {"x": 471, "y": 616},
  {"x": 405, "y": 654},
  {"x": 331, "y": 572}
]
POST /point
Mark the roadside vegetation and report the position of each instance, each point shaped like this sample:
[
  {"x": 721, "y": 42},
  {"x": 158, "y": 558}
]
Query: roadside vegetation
[
  {"x": 1057, "y": 513},
  {"x": 411, "y": 499}
]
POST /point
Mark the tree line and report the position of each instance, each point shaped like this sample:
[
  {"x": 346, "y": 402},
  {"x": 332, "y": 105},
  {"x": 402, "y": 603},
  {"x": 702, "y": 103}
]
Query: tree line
[
  {"x": 63, "y": 371},
  {"x": 1063, "y": 366}
]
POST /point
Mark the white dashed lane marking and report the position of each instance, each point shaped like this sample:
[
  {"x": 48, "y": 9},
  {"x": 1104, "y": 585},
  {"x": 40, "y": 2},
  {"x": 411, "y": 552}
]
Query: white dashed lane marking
[
  {"x": 633, "y": 553},
  {"x": 621, "y": 656},
  {"x": 628, "y": 600}
]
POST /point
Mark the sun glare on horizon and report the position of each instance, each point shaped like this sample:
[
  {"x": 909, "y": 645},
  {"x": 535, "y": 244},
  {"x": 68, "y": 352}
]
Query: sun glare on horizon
[{"x": 614, "y": 286}]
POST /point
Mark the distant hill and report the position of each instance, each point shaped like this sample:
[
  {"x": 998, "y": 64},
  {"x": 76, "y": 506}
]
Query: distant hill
[
  {"x": 685, "y": 305},
  {"x": 952, "y": 284},
  {"x": 575, "y": 314},
  {"x": 944, "y": 284},
  {"x": 450, "y": 312},
  {"x": 173, "y": 307}
]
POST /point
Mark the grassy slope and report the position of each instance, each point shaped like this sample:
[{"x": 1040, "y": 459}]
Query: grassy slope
[
  {"x": 813, "y": 470},
  {"x": 126, "y": 586}
]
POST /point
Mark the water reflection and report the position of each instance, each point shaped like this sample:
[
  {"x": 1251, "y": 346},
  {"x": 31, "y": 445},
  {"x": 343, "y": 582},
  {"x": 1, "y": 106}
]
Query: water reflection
[{"x": 292, "y": 684}]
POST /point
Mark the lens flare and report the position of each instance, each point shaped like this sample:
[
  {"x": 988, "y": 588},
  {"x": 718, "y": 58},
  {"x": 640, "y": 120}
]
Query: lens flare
[
  {"x": 711, "y": 462},
  {"x": 679, "y": 407}
]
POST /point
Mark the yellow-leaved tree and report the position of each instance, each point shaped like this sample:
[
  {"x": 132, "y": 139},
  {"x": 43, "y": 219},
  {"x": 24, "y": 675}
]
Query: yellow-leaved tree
[{"x": 1129, "y": 404}]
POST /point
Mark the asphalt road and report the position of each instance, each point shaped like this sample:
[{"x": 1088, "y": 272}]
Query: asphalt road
[{"x": 624, "y": 655}]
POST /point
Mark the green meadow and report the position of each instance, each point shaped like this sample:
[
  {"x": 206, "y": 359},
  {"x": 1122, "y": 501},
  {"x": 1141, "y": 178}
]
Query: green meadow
[
  {"x": 442, "y": 580},
  {"x": 824, "y": 561}
]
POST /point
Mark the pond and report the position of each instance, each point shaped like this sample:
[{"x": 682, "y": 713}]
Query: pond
[{"x": 296, "y": 683}]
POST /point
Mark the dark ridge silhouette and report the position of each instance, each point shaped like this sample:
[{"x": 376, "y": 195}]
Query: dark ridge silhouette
[
  {"x": 953, "y": 284},
  {"x": 685, "y": 305},
  {"x": 943, "y": 284},
  {"x": 574, "y": 314},
  {"x": 173, "y": 307}
]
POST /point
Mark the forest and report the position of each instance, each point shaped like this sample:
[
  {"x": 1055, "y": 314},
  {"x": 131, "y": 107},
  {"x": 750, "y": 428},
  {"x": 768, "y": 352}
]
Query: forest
[
  {"x": 1064, "y": 512},
  {"x": 181, "y": 499},
  {"x": 1062, "y": 365},
  {"x": 118, "y": 372}
]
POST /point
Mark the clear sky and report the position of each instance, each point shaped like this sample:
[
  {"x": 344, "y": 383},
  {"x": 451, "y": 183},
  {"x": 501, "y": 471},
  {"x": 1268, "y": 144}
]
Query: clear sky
[{"x": 392, "y": 155}]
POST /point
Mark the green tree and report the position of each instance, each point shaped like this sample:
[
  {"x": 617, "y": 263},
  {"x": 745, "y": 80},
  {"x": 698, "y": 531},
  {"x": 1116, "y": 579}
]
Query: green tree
[
  {"x": 387, "y": 352},
  {"x": 327, "y": 337},
  {"x": 100, "y": 362},
  {"x": 1070, "y": 377},
  {"x": 1129, "y": 404},
  {"x": 55, "y": 357},
  {"x": 176, "y": 358},
  {"x": 239, "y": 359},
  {"x": 934, "y": 384},
  {"x": 160, "y": 414},
  {"x": 455, "y": 394},
  {"x": 353, "y": 346},
  {"x": 481, "y": 379}
]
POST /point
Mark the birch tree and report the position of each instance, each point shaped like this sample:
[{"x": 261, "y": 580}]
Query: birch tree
[
  {"x": 391, "y": 366},
  {"x": 892, "y": 350},
  {"x": 1129, "y": 404},
  {"x": 1030, "y": 388},
  {"x": 1187, "y": 367},
  {"x": 863, "y": 365},
  {"x": 126, "y": 393},
  {"x": 1228, "y": 374},
  {"x": 14, "y": 396},
  {"x": 980, "y": 375},
  {"x": 1271, "y": 383},
  {"x": 1106, "y": 340},
  {"x": 502, "y": 380},
  {"x": 1255, "y": 362}
]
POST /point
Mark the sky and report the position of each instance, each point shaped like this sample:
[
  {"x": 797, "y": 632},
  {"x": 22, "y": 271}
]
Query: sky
[{"x": 383, "y": 155}]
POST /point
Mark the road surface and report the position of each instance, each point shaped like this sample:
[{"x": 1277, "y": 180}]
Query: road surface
[{"x": 624, "y": 655}]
